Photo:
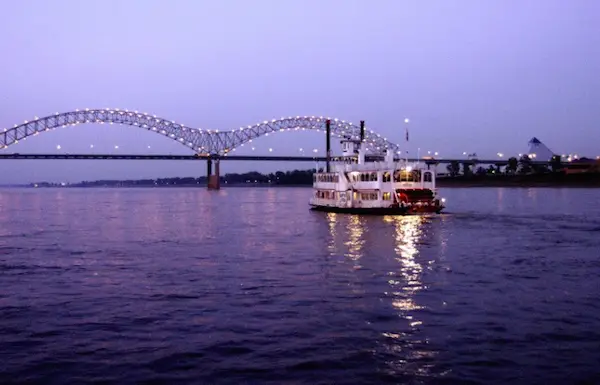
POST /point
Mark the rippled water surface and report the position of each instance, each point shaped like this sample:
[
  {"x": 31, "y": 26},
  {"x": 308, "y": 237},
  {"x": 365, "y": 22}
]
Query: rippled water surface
[{"x": 248, "y": 286}]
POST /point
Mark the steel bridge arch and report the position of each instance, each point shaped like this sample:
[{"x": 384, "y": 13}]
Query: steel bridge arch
[
  {"x": 197, "y": 139},
  {"x": 230, "y": 140},
  {"x": 200, "y": 141}
]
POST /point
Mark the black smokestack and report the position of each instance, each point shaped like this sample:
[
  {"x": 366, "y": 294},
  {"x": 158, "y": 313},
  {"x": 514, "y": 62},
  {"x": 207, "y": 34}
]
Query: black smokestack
[
  {"x": 328, "y": 144},
  {"x": 362, "y": 130}
]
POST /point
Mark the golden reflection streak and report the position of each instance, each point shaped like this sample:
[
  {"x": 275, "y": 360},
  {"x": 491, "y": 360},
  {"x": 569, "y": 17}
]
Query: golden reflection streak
[
  {"x": 356, "y": 242},
  {"x": 408, "y": 232},
  {"x": 331, "y": 222}
]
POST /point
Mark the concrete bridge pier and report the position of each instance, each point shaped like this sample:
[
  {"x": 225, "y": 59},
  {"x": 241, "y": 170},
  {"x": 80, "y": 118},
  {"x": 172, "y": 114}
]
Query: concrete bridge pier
[{"x": 214, "y": 181}]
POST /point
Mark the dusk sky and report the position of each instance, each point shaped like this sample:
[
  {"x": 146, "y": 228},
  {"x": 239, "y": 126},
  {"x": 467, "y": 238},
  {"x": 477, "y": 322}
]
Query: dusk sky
[{"x": 472, "y": 75}]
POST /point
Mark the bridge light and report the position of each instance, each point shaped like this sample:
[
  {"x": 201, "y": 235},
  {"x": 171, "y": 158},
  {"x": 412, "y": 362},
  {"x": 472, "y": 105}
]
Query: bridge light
[
  {"x": 149, "y": 147},
  {"x": 252, "y": 148},
  {"x": 116, "y": 147},
  {"x": 436, "y": 153},
  {"x": 58, "y": 147},
  {"x": 91, "y": 146},
  {"x": 270, "y": 150}
]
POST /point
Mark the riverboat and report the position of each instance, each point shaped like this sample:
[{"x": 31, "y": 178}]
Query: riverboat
[{"x": 386, "y": 187}]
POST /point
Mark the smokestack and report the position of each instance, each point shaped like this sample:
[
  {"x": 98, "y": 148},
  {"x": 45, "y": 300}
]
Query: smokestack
[
  {"x": 362, "y": 130},
  {"x": 328, "y": 144}
]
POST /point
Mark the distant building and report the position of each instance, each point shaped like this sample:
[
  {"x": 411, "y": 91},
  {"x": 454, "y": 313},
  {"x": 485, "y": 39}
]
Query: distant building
[
  {"x": 539, "y": 151},
  {"x": 583, "y": 165}
]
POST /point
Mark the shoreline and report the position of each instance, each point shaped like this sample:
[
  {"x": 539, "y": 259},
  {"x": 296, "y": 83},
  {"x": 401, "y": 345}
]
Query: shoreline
[
  {"x": 303, "y": 179},
  {"x": 257, "y": 185}
]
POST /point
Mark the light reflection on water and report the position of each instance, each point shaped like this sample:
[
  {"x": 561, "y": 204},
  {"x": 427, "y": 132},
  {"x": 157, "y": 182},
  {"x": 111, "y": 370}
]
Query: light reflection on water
[
  {"x": 355, "y": 242},
  {"x": 358, "y": 239},
  {"x": 408, "y": 231}
]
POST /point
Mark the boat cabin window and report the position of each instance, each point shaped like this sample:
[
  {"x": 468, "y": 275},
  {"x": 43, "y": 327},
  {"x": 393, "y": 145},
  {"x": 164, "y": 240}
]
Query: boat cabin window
[
  {"x": 327, "y": 178},
  {"x": 325, "y": 194},
  {"x": 407, "y": 176},
  {"x": 387, "y": 196},
  {"x": 371, "y": 196},
  {"x": 427, "y": 176},
  {"x": 387, "y": 177},
  {"x": 368, "y": 177}
]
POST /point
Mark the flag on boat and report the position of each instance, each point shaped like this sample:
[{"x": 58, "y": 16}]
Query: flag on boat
[{"x": 407, "y": 134}]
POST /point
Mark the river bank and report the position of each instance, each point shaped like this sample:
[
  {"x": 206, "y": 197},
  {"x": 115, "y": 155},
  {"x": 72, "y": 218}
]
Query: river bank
[
  {"x": 304, "y": 179},
  {"x": 532, "y": 180}
]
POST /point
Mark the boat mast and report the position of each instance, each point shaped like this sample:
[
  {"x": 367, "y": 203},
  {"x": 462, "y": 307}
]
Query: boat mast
[
  {"x": 327, "y": 144},
  {"x": 362, "y": 132},
  {"x": 406, "y": 122}
]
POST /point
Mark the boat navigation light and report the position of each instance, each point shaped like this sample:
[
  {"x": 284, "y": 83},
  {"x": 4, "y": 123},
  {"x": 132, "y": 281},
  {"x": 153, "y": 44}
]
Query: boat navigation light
[
  {"x": 443, "y": 200},
  {"x": 408, "y": 169}
]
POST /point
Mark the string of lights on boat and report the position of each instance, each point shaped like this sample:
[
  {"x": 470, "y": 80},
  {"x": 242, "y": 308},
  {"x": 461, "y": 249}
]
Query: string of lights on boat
[{"x": 203, "y": 141}]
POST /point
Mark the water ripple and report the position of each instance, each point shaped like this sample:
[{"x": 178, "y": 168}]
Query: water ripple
[{"x": 182, "y": 286}]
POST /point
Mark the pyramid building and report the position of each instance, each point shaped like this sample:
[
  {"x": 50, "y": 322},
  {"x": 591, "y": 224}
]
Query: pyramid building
[{"x": 539, "y": 151}]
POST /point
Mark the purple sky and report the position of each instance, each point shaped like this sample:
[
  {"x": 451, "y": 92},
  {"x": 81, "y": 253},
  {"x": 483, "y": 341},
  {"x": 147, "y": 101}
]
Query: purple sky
[{"x": 472, "y": 75}]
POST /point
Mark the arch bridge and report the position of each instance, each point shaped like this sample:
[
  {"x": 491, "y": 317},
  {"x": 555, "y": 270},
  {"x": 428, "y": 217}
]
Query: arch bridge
[
  {"x": 202, "y": 142},
  {"x": 212, "y": 142}
]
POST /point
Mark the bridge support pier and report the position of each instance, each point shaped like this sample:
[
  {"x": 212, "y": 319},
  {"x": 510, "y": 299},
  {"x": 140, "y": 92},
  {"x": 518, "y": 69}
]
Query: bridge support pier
[{"x": 214, "y": 181}]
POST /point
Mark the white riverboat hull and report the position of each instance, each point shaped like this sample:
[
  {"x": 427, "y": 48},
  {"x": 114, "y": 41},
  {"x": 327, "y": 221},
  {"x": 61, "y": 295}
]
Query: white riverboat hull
[{"x": 376, "y": 188}]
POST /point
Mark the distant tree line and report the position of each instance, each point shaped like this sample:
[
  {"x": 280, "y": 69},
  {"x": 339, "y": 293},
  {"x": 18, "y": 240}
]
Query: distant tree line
[
  {"x": 295, "y": 177},
  {"x": 466, "y": 169}
]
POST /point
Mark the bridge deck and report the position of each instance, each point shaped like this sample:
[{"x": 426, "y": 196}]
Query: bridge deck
[{"x": 499, "y": 162}]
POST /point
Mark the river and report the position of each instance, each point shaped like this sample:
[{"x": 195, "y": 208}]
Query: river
[{"x": 246, "y": 285}]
